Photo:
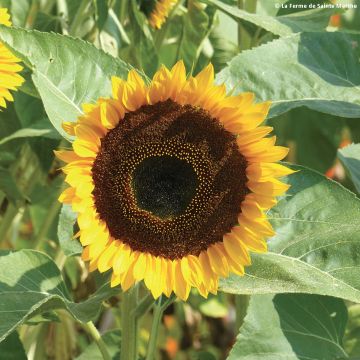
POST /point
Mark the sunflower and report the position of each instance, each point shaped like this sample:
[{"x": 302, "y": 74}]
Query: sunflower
[
  {"x": 171, "y": 181},
  {"x": 9, "y": 77},
  {"x": 156, "y": 11}
]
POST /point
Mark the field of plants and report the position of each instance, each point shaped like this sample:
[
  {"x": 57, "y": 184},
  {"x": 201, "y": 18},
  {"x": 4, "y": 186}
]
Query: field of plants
[{"x": 179, "y": 179}]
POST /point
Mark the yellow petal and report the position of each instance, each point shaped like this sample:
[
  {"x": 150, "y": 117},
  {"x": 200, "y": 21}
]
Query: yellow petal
[
  {"x": 218, "y": 261},
  {"x": 236, "y": 249},
  {"x": 264, "y": 171},
  {"x": 181, "y": 287},
  {"x": 275, "y": 153},
  {"x": 69, "y": 127},
  {"x": 67, "y": 196},
  {"x": 104, "y": 262},
  {"x": 271, "y": 187}
]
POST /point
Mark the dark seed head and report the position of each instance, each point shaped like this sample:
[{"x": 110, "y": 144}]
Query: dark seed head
[{"x": 169, "y": 180}]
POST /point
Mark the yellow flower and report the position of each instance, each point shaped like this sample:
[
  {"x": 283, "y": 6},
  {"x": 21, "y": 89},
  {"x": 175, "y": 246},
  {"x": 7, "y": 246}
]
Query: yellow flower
[
  {"x": 157, "y": 11},
  {"x": 9, "y": 77},
  {"x": 171, "y": 181}
]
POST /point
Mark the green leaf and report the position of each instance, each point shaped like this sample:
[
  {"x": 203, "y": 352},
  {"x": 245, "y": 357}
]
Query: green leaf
[
  {"x": 102, "y": 10},
  {"x": 12, "y": 348},
  {"x": 67, "y": 219},
  {"x": 9, "y": 187},
  {"x": 141, "y": 53},
  {"x": 301, "y": 326},
  {"x": 20, "y": 11},
  {"x": 112, "y": 339},
  {"x": 67, "y": 72},
  {"x": 31, "y": 283},
  {"x": 350, "y": 157},
  {"x": 316, "y": 248},
  {"x": 315, "y": 137},
  {"x": 24, "y": 133},
  {"x": 318, "y": 70},
  {"x": 193, "y": 33},
  {"x": 214, "y": 308},
  {"x": 309, "y": 20}
]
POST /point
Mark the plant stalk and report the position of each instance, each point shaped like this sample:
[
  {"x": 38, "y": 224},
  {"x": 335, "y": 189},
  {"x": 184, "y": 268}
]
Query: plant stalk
[
  {"x": 7, "y": 220},
  {"x": 30, "y": 20},
  {"x": 94, "y": 333},
  {"x": 160, "y": 306},
  {"x": 45, "y": 226},
  {"x": 79, "y": 16},
  {"x": 158, "y": 312},
  {"x": 144, "y": 305},
  {"x": 129, "y": 325}
]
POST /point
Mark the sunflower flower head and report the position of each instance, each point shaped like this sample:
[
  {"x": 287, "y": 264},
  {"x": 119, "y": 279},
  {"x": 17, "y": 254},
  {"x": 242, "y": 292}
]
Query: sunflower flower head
[
  {"x": 9, "y": 67},
  {"x": 171, "y": 181},
  {"x": 156, "y": 11}
]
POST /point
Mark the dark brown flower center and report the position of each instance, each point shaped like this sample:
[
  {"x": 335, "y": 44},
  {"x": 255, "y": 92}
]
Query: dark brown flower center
[
  {"x": 169, "y": 180},
  {"x": 147, "y": 6},
  {"x": 164, "y": 185}
]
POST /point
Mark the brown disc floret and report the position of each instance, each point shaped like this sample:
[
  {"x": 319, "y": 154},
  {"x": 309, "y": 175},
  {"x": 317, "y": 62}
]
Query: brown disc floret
[{"x": 169, "y": 180}]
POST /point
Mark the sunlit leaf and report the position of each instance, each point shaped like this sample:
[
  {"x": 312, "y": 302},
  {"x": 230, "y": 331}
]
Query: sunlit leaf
[
  {"x": 309, "y": 20},
  {"x": 31, "y": 283},
  {"x": 316, "y": 248},
  {"x": 318, "y": 70},
  {"x": 67, "y": 72},
  {"x": 69, "y": 245},
  {"x": 292, "y": 326}
]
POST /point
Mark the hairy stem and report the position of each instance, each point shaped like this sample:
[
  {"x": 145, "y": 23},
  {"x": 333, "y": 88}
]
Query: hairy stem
[
  {"x": 129, "y": 325},
  {"x": 95, "y": 335},
  {"x": 161, "y": 304},
  {"x": 79, "y": 16}
]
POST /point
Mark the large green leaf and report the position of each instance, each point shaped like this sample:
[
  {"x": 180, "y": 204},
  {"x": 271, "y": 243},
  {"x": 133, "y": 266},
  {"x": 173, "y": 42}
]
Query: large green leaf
[
  {"x": 316, "y": 248},
  {"x": 318, "y": 70},
  {"x": 350, "y": 156},
  {"x": 67, "y": 219},
  {"x": 310, "y": 20},
  {"x": 302, "y": 327},
  {"x": 67, "y": 72},
  {"x": 194, "y": 31},
  {"x": 31, "y": 283}
]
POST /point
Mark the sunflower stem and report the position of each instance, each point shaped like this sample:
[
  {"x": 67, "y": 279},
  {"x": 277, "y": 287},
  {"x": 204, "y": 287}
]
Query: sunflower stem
[
  {"x": 160, "y": 306},
  {"x": 7, "y": 221},
  {"x": 79, "y": 17},
  {"x": 45, "y": 226},
  {"x": 129, "y": 324},
  {"x": 158, "y": 312},
  {"x": 94, "y": 333},
  {"x": 123, "y": 11},
  {"x": 144, "y": 305},
  {"x": 30, "y": 20}
]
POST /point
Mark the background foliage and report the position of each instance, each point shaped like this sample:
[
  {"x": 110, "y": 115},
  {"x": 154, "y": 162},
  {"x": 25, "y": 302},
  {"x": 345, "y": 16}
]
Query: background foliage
[{"x": 305, "y": 293}]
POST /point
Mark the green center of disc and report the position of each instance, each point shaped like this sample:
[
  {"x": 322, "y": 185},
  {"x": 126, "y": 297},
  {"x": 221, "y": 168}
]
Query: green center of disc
[{"x": 164, "y": 185}]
